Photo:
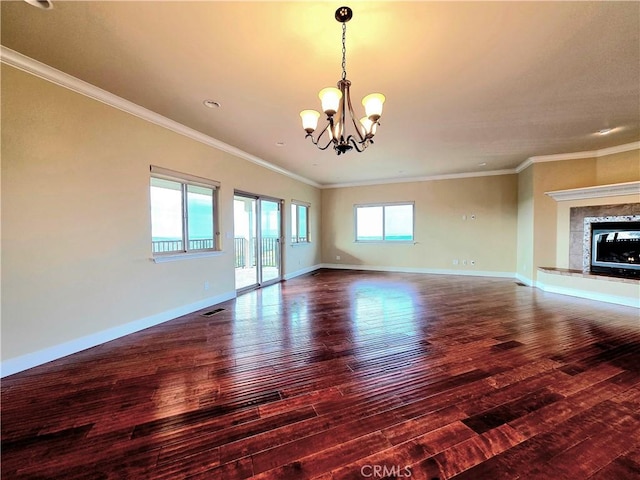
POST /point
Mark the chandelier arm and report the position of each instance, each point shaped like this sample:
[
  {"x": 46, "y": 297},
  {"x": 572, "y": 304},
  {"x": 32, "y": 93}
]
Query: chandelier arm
[
  {"x": 364, "y": 144},
  {"x": 316, "y": 141},
  {"x": 329, "y": 127},
  {"x": 325, "y": 147},
  {"x": 353, "y": 118}
]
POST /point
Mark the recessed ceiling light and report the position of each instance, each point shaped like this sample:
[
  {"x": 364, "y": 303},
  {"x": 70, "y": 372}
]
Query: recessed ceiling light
[
  {"x": 211, "y": 104},
  {"x": 605, "y": 131},
  {"x": 43, "y": 4},
  {"x": 280, "y": 144}
]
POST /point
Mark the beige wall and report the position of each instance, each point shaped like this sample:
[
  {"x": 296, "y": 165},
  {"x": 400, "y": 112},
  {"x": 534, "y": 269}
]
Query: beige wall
[
  {"x": 525, "y": 224},
  {"x": 550, "y": 176},
  {"x": 75, "y": 216},
  {"x": 441, "y": 234},
  {"x": 618, "y": 168}
]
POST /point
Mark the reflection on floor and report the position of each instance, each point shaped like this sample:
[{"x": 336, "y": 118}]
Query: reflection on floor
[{"x": 248, "y": 276}]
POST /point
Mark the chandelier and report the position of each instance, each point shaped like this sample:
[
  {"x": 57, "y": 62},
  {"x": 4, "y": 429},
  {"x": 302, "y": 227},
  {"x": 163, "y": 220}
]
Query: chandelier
[{"x": 336, "y": 104}]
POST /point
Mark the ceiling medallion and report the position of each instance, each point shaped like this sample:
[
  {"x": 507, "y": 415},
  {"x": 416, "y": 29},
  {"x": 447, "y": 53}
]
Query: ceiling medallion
[{"x": 336, "y": 104}]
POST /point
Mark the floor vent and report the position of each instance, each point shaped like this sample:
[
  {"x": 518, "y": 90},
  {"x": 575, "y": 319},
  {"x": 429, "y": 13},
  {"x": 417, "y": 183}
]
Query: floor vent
[
  {"x": 212, "y": 312},
  {"x": 520, "y": 284}
]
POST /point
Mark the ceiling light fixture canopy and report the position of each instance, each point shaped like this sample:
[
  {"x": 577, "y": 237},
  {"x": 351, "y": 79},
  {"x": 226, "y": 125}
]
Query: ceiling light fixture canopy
[
  {"x": 336, "y": 104},
  {"x": 43, "y": 4}
]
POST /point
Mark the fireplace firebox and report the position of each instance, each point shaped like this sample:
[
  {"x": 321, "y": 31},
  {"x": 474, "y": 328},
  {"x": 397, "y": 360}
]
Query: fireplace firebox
[{"x": 615, "y": 248}]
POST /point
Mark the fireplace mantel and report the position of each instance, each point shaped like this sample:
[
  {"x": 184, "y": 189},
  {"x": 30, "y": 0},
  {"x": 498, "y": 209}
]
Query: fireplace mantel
[{"x": 600, "y": 191}]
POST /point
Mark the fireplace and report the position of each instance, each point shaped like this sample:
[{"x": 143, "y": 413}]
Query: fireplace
[
  {"x": 612, "y": 246},
  {"x": 615, "y": 248}
]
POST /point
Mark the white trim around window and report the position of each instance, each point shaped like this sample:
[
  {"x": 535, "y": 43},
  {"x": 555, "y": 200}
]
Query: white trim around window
[
  {"x": 300, "y": 222},
  {"x": 389, "y": 222},
  {"x": 184, "y": 215}
]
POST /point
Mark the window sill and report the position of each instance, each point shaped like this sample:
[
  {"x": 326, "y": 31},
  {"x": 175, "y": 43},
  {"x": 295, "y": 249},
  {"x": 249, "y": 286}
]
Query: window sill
[
  {"x": 185, "y": 256},
  {"x": 298, "y": 244},
  {"x": 386, "y": 242}
]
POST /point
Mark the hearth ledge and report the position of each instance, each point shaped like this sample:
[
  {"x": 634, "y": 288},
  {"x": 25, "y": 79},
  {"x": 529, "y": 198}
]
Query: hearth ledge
[
  {"x": 594, "y": 276},
  {"x": 620, "y": 291}
]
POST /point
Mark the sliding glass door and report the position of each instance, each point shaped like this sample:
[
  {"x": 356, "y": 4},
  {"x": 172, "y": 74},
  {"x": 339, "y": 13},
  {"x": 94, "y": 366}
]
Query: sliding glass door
[
  {"x": 269, "y": 240},
  {"x": 257, "y": 240}
]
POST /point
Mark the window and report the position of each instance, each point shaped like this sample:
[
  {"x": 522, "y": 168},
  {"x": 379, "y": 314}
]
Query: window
[
  {"x": 299, "y": 222},
  {"x": 183, "y": 213},
  {"x": 391, "y": 222}
]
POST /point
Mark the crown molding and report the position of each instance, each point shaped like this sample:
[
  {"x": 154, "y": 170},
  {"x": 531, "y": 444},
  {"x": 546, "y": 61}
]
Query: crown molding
[
  {"x": 627, "y": 147},
  {"x": 41, "y": 70},
  {"x": 431, "y": 178},
  {"x": 524, "y": 165},
  {"x": 599, "y": 191}
]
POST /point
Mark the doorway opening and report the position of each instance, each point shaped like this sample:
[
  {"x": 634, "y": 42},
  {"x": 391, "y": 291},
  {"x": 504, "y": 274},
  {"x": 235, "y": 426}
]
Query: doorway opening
[{"x": 257, "y": 240}]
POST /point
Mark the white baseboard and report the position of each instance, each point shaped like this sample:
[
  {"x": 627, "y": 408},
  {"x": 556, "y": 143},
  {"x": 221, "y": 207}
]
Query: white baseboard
[
  {"x": 302, "y": 271},
  {"x": 472, "y": 273},
  {"x": 30, "y": 360},
  {"x": 600, "y": 297},
  {"x": 526, "y": 280}
]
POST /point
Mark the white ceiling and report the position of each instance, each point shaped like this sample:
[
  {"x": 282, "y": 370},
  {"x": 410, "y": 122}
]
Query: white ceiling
[{"x": 466, "y": 82}]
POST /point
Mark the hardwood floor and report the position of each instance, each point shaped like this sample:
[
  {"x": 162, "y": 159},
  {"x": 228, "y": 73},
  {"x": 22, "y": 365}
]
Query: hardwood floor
[{"x": 345, "y": 375}]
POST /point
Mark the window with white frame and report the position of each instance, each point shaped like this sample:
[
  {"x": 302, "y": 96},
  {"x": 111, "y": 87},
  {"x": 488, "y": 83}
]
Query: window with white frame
[
  {"x": 299, "y": 222},
  {"x": 183, "y": 213},
  {"x": 384, "y": 222}
]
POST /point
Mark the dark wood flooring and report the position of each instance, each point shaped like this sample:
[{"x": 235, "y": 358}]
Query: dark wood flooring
[{"x": 345, "y": 375}]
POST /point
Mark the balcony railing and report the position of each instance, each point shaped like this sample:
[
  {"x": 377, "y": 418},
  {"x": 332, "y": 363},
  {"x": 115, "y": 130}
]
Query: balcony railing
[
  {"x": 240, "y": 251},
  {"x": 244, "y": 248},
  {"x": 245, "y": 252},
  {"x": 168, "y": 246}
]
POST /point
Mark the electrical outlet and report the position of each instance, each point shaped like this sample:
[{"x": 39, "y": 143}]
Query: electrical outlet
[
  {"x": 464, "y": 262},
  {"x": 206, "y": 285},
  {"x": 455, "y": 261},
  {"x": 337, "y": 257}
]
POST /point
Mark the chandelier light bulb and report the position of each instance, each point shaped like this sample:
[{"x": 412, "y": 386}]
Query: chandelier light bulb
[
  {"x": 373, "y": 105},
  {"x": 330, "y": 98},
  {"x": 309, "y": 120},
  {"x": 368, "y": 127},
  {"x": 336, "y": 131}
]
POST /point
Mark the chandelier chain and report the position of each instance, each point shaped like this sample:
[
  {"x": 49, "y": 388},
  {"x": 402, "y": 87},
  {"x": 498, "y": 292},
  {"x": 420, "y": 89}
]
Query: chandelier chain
[{"x": 344, "y": 51}]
